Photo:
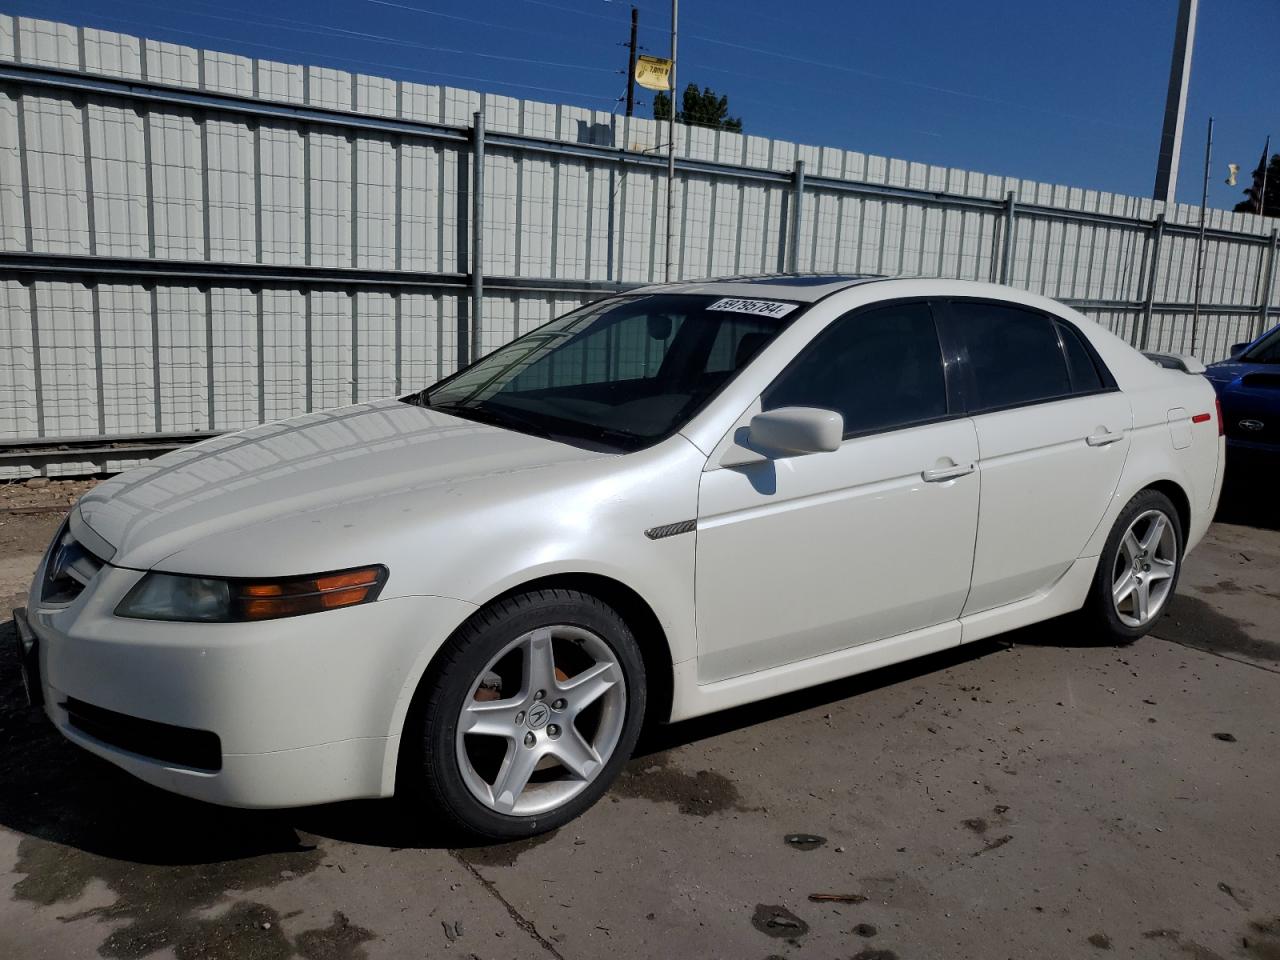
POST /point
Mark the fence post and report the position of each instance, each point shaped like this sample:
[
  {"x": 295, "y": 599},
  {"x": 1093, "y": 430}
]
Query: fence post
[
  {"x": 477, "y": 234},
  {"x": 1010, "y": 223},
  {"x": 1265, "y": 306},
  {"x": 1149, "y": 301},
  {"x": 797, "y": 216}
]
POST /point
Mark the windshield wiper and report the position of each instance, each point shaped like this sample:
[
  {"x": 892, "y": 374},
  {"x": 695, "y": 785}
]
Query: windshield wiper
[{"x": 494, "y": 417}]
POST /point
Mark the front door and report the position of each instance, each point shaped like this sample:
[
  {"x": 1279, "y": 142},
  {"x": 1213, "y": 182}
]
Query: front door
[{"x": 801, "y": 556}]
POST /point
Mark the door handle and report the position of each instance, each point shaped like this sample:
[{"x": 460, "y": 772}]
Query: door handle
[
  {"x": 1103, "y": 438},
  {"x": 939, "y": 474}
]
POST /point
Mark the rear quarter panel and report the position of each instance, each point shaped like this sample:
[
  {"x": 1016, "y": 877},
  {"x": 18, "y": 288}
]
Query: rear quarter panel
[{"x": 1165, "y": 404}]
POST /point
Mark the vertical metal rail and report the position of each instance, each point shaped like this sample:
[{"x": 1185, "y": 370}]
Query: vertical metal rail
[
  {"x": 1149, "y": 300},
  {"x": 477, "y": 234},
  {"x": 671, "y": 139},
  {"x": 1010, "y": 225},
  {"x": 797, "y": 217},
  {"x": 1264, "y": 306}
]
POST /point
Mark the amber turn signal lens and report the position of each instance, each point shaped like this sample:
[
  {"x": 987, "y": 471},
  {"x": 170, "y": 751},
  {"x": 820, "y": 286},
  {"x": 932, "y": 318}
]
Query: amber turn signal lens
[{"x": 325, "y": 591}]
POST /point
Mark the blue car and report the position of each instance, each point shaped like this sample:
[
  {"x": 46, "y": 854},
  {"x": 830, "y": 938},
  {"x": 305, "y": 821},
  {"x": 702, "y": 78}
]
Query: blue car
[{"x": 1248, "y": 385}]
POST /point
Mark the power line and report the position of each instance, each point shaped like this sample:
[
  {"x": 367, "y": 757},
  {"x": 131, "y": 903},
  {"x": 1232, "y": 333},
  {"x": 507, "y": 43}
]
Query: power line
[
  {"x": 377, "y": 67},
  {"x": 281, "y": 23}
]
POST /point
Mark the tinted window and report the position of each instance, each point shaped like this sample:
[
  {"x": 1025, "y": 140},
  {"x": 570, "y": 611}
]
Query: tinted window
[
  {"x": 1013, "y": 354},
  {"x": 1084, "y": 372},
  {"x": 880, "y": 368}
]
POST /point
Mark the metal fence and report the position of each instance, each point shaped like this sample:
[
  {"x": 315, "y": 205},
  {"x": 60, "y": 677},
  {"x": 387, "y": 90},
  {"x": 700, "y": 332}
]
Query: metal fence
[{"x": 193, "y": 242}]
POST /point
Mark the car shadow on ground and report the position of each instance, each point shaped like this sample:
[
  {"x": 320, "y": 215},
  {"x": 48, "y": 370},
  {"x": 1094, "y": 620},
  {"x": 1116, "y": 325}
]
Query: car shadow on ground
[{"x": 1249, "y": 497}]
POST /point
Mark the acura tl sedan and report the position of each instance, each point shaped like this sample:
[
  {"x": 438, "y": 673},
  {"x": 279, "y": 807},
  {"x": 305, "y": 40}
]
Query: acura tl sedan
[{"x": 663, "y": 504}]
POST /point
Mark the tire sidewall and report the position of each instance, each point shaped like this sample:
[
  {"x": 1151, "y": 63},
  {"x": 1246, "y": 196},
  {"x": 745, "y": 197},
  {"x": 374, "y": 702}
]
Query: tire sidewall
[{"x": 474, "y": 645}]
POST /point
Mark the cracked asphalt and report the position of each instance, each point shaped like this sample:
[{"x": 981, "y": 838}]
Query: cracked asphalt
[{"x": 1037, "y": 795}]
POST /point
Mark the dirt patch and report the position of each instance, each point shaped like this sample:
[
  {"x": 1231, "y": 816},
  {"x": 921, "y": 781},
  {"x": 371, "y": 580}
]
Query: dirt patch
[
  {"x": 778, "y": 921},
  {"x": 697, "y": 794},
  {"x": 502, "y": 854},
  {"x": 804, "y": 841},
  {"x": 41, "y": 494},
  {"x": 1192, "y": 622},
  {"x": 340, "y": 940},
  {"x": 1100, "y": 940}
]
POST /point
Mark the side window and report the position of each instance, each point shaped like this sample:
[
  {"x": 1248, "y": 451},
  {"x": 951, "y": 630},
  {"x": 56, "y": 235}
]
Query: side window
[
  {"x": 1014, "y": 354},
  {"x": 1084, "y": 372},
  {"x": 881, "y": 368}
]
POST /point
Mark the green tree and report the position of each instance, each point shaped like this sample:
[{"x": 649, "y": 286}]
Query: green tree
[
  {"x": 701, "y": 108},
  {"x": 1271, "y": 202}
]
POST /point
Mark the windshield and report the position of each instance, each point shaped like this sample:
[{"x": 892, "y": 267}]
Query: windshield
[
  {"x": 1267, "y": 350},
  {"x": 619, "y": 374}
]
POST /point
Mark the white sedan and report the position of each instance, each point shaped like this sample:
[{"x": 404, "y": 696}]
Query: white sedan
[{"x": 663, "y": 504}]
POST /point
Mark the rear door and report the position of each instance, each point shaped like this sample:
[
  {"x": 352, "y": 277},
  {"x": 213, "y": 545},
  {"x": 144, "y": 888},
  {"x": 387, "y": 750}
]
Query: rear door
[{"x": 1053, "y": 432}]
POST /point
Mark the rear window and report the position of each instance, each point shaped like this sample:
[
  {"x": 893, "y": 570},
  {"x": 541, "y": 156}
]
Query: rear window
[{"x": 1014, "y": 355}]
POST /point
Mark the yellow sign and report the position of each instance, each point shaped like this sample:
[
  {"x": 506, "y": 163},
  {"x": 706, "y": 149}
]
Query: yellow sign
[{"x": 653, "y": 72}]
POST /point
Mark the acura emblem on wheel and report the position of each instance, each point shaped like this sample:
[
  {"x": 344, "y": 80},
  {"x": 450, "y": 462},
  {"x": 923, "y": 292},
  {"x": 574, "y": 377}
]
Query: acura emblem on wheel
[{"x": 539, "y": 714}]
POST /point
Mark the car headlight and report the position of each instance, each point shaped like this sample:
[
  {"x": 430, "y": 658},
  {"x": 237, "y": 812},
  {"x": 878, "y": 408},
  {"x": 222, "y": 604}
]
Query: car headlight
[{"x": 168, "y": 596}]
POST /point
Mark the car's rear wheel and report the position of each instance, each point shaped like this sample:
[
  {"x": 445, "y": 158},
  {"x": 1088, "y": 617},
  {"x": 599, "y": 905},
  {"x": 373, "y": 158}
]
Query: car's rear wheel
[
  {"x": 1138, "y": 570},
  {"x": 528, "y": 715}
]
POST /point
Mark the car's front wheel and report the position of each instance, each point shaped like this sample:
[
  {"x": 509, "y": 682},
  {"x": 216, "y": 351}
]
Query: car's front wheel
[
  {"x": 1138, "y": 569},
  {"x": 528, "y": 714}
]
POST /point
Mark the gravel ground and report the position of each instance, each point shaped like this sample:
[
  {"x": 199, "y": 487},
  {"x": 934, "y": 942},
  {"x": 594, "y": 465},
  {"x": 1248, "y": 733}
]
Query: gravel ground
[{"x": 1036, "y": 795}]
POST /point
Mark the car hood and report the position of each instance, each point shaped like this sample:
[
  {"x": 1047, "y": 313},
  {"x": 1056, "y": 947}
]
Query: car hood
[{"x": 332, "y": 467}]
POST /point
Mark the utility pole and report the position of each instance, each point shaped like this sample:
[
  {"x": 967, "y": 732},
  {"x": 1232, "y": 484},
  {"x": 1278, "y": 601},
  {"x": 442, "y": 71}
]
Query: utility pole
[
  {"x": 1262, "y": 191},
  {"x": 1175, "y": 106},
  {"x": 671, "y": 137},
  {"x": 631, "y": 63},
  {"x": 1204, "y": 204}
]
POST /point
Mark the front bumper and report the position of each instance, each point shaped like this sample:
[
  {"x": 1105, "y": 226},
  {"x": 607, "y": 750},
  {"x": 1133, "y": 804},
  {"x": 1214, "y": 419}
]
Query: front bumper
[{"x": 305, "y": 710}]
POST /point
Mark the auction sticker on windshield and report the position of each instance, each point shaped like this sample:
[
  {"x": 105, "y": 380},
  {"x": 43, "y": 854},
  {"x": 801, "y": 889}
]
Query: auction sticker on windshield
[{"x": 761, "y": 308}]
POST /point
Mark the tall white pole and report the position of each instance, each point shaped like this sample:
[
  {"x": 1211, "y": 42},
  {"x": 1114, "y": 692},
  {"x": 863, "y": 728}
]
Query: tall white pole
[
  {"x": 671, "y": 139},
  {"x": 1204, "y": 205},
  {"x": 1175, "y": 107}
]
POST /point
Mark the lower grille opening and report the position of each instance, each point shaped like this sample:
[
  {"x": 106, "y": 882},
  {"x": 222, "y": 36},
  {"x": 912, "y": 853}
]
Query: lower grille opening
[{"x": 198, "y": 749}]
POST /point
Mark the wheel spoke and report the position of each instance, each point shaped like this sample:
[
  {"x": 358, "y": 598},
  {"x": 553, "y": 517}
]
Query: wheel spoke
[
  {"x": 1121, "y": 589},
  {"x": 1143, "y": 593},
  {"x": 517, "y": 768},
  {"x": 587, "y": 687},
  {"x": 575, "y": 754},
  {"x": 1160, "y": 569},
  {"x": 492, "y": 718},
  {"x": 540, "y": 661},
  {"x": 1132, "y": 548},
  {"x": 1152, "y": 540}
]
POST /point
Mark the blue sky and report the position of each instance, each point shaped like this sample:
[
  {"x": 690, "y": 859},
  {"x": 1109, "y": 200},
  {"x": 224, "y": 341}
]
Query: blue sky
[{"x": 1061, "y": 92}]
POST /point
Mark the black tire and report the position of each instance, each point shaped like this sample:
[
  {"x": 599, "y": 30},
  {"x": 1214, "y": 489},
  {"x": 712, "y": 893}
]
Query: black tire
[
  {"x": 1099, "y": 614},
  {"x": 430, "y": 770}
]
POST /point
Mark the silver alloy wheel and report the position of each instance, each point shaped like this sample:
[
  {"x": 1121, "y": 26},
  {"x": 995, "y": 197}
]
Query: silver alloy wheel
[
  {"x": 1142, "y": 573},
  {"x": 549, "y": 758}
]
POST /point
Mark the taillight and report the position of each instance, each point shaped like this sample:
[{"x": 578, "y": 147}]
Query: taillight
[{"x": 1222, "y": 424}]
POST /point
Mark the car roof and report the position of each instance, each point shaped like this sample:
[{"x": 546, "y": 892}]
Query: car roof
[{"x": 797, "y": 287}]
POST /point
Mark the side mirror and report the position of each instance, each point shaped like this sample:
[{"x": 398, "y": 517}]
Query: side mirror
[
  {"x": 794, "y": 431},
  {"x": 1239, "y": 348}
]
